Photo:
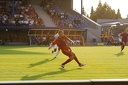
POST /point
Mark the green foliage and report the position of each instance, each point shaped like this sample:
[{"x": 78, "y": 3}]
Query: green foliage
[
  {"x": 37, "y": 63},
  {"x": 118, "y": 14},
  {"x": 104, "y": 12}
]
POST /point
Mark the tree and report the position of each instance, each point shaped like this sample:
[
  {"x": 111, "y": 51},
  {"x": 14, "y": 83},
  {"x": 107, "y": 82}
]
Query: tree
[
  {"x": 92, "y": 14},
  {"x": 84, "y": 12},
  {"x": 98, "y": 11},
  {"x": 104, "y": 12},
  {"x": 118, "y": 14}
]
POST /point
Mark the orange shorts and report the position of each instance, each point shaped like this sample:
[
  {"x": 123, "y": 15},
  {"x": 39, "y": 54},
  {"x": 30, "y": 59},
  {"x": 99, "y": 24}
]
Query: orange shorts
[{"x": 67, "y": 51}]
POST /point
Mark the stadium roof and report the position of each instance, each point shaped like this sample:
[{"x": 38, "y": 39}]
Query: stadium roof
[{"x": 110, "y": 23}]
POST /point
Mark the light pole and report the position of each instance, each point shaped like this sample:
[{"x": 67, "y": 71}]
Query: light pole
[{"x": 81, "y": 7}]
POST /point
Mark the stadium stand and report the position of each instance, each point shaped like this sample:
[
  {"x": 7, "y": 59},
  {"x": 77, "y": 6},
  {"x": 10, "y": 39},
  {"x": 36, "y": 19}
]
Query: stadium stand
[
  {"x": 62, "y": 18},
  {"x": 23, "y": 14},
  {"x": 14, "y": 17},
  {"x": 43, "y": 15},
  {"x": 18, "y": 17}
]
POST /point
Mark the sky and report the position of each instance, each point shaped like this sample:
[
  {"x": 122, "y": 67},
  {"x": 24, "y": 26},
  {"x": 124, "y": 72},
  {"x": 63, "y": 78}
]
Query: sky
[{"x": 115, "y": 4}]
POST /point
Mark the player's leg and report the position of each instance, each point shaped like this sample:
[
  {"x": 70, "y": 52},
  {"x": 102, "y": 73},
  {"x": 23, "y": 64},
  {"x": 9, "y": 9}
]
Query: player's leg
[
  {"x": 54, "y": 48},
  {"x": 57, "y": 53},
  {"x": 67, "y": 61},
  {"x": 71, "y": 56},
  {"x": 122, "y": 46},
  {"x": 76, "y": 59},
  {"x": 67, "y": 53}
]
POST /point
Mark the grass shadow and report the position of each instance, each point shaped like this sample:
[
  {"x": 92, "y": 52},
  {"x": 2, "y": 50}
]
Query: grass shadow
[
  {"x": 13, "y": 50},
  {"x": 40, "y": 62},
  {"x": 34, "y": 77},
  {"x": 120, "y": 54},
  {"x": 8, "y": 52}
]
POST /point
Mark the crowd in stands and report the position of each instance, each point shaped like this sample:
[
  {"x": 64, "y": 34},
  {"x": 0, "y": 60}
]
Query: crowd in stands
[
  {"x": 62, "y": 18},
  {"x": 19, "y": 13}
]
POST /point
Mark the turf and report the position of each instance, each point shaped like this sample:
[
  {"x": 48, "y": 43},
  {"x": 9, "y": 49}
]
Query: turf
[{"x": 37, "y": 63}]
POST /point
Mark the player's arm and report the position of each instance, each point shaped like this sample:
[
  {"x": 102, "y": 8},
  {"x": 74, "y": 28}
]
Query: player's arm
[
  {"x": 52, "y": 43},
  {"x": 69, "y": 39},
  {"x": 120, "y": 35}
]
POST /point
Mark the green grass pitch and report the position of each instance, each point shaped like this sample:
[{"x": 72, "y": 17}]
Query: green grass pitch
[{"x": 37, "y": 63}]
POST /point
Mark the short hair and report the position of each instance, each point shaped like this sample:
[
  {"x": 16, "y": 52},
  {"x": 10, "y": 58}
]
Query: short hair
[{"x": 59, "y": 31}]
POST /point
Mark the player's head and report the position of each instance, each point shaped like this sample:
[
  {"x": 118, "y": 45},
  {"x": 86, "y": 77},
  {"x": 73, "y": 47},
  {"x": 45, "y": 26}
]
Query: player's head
[{"x": 61, "y": 33}]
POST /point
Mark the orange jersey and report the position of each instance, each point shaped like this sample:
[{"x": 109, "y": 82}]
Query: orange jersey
[
  {"x": 105, "y": 35},
  {"x": 124, "y": 37},
  {"x": 61, "y": 42}
]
